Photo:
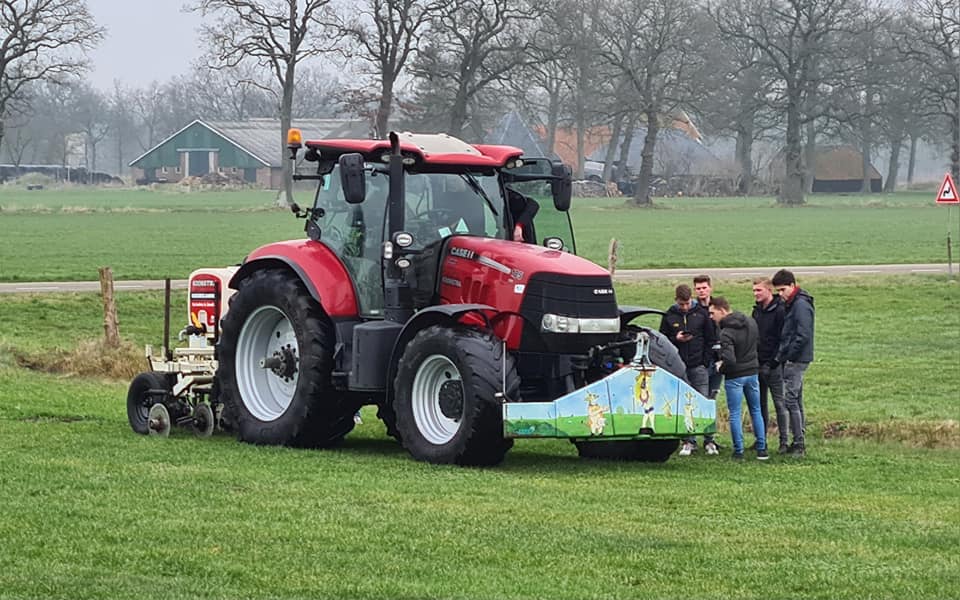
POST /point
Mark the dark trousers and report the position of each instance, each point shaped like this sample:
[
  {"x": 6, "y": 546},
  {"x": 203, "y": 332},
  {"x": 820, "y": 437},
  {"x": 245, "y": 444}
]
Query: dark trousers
[{"x": 772, "y": 379}]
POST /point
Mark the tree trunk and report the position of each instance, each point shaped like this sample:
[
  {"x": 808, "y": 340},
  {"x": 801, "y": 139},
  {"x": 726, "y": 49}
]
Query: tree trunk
[
  {"x": 286, "y": 110},
  {"x": 458, "y": 113},
  {"x": 609, "y": 157},
  {"x": 641, "y": 195},
  {"x": 622, "y": 162},
  {"x": 912, "y": 161},
  {"x": 893, "y": 167},
  {"x": 810, "y": 157},
  {"x": 745, "y": 156},
  {"x": 553, "y": 117},
  {"x": 955, "y": 144},
  {"x": 2, "y": 128},
  {"x": 383, "y": 110},
  {"x": 866, "y": 143},
  {"x": 791, "y": 190}
]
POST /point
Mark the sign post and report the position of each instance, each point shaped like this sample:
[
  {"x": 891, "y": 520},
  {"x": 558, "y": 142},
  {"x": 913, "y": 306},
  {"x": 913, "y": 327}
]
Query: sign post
[{"x": 948, "y": 195}]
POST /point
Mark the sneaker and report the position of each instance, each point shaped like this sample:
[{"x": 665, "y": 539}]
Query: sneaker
[
  {"x": 762, "y": 455},
  {"x": 784, "y": 449},
  {"x": 737, "y": 456},
  {"x": 798, "y": 451},
  {"x": 687, "y": 449},
  {"x": 357, "y": 420},
  {"x": 711, "y": 449}
]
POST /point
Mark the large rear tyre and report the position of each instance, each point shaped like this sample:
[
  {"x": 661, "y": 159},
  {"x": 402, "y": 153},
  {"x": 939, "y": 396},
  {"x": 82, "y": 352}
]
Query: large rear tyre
[
  {"x": 446, "y": 404},
  {"x": 145, "y": 390},
  {"x": 637, "y": 450},
  {"x": 276, "y": 359}
]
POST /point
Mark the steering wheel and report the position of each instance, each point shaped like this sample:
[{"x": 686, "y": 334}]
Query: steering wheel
[{"x": 437, "y": 216}]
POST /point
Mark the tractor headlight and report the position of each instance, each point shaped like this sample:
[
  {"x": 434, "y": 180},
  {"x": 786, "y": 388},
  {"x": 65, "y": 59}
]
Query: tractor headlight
[{"x": 562, "y": 324}]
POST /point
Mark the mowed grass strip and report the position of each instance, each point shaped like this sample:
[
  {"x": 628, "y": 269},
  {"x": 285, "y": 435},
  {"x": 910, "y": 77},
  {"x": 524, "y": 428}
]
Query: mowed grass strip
[
  {"x": 144, "y": 234},
  {"x": 92, "y": 510}
]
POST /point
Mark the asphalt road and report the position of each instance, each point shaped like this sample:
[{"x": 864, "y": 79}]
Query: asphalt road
[{"x": 621, "y": 275}]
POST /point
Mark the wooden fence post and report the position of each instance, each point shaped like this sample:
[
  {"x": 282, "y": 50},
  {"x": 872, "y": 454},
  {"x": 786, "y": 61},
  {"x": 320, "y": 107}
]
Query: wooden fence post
[
  {"x": 111, "y": 328},
  {"x": 612, "y": 256}
]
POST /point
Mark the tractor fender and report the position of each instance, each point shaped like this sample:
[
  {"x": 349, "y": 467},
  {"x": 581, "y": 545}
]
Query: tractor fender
[
  {"x": 434, "y": 315},
  {"x": 321, "y": 271},
  {"x": 629, "y": 313}
]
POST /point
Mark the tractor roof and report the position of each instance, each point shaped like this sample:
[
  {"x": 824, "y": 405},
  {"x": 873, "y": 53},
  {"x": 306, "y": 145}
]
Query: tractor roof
[{"x": 433, "y": 150}]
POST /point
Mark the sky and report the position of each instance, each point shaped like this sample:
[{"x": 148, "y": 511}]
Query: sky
[{"x": 146, "y": 40}]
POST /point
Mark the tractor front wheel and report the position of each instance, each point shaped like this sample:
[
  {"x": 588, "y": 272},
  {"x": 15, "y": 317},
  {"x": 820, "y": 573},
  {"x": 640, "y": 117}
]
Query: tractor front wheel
[
  {"x": 446, "y": 403},
  {"x": 276, "y": 360}
]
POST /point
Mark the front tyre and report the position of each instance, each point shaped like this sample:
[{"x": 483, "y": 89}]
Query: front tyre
[
  {"x": 145, "y": 390},
  {"x": 276, "y": 359},
  {"x": 445, "y": 400}
]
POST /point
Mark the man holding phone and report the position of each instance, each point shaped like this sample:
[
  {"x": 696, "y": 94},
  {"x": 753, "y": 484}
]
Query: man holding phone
[{"x": 689, "y": 327}]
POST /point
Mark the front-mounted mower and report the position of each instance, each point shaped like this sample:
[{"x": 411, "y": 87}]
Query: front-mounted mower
[{"x": 438, "y": 281}]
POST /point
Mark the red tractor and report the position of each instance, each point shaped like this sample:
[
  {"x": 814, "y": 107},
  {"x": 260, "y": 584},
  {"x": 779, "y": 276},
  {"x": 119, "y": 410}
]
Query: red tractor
[{"x": 433, "y": 284}]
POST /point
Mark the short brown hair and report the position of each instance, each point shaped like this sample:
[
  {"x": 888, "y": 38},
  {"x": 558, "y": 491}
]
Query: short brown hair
[
  {"x": 720, "y": 303},
  {"x": 702, "y": 279},
  {"x": 764, "y": 281},
  {"x": 683, "y": 292}
]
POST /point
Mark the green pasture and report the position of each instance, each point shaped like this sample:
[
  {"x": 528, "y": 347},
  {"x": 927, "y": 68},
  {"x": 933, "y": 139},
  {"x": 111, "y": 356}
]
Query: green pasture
[
  {"x": 52, "y": 235},
  {"x": 92, "y": 510}
]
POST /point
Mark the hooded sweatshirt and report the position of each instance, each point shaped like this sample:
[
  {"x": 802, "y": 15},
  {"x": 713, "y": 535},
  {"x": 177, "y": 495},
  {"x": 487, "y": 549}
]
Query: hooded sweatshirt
[
  {"x": 796, "y": 338},
  {"x": 738, "y": 346}
]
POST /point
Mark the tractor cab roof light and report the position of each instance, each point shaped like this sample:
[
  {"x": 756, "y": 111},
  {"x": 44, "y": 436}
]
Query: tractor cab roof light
[{"x": 294, "y": 138}]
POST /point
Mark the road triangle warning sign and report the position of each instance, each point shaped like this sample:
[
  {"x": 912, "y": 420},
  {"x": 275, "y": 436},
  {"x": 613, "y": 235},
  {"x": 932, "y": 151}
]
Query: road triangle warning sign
[{"x": 948, "y": 191}]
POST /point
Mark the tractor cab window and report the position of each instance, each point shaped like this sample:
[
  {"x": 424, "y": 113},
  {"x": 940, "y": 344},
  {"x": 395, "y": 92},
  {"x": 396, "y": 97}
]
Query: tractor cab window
[
  {"x": 548, "y": 222},
  {"x": 439, "y": 205},
  {"x": 354, "y": 233}
]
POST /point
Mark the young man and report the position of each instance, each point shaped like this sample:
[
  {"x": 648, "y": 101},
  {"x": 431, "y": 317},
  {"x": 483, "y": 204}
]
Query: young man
[
  {"x": 703, "y": 287},
  {"x": 738, "y": 363},
  {"x": 768, "y": 313},
  {"x": 688, "y": 326},
  {"x": 796, "y": 352}
]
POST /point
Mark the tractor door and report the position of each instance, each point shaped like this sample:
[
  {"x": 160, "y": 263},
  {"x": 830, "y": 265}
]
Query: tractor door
[{"x": 354, "y": 232}]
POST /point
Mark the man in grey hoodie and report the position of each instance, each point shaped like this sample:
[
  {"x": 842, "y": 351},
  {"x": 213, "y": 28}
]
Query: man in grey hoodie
[{"x": 795, "y": 353}]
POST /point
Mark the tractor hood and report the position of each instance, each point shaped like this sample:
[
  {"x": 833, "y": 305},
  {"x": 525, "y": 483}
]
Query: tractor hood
[
  {"x": 518, "y": 261},
  {"x": 530, "y": 282}
]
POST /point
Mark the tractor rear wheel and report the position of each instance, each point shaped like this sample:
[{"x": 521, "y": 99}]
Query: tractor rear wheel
[
  {"x": 445, "y": 401},
  {"x": 639, "y": 450},
  {"x": 145, "y": 390},
  {"x": 276, "y": 360}
]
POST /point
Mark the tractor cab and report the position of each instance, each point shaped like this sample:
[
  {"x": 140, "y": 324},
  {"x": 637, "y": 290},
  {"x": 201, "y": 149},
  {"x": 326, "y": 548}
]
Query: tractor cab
[{"x": 445, "y": 188}]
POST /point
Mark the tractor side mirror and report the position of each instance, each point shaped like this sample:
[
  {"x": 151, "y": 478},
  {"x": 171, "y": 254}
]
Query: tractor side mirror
[
  {"x": 561, "y": 186},
  {"x": 353, "y": 180}
]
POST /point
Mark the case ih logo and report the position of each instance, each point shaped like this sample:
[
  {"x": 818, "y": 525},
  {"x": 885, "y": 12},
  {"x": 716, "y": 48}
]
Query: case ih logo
[
  {"x": 462, "y": 252},
  {"x": 602, "y": 291}
]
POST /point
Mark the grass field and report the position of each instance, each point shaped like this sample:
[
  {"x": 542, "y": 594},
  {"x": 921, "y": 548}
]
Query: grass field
[
  {"x": 67, "y": 234},
  {"x": 91, "y": 510}
]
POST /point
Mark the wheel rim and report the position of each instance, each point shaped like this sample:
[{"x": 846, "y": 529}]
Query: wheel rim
[
  {"x": 267, "y": 392},
  {"x": 437, "y": 399}
]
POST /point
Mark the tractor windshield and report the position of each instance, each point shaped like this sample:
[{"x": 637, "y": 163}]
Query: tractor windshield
[{"x": 436, "y": 205}]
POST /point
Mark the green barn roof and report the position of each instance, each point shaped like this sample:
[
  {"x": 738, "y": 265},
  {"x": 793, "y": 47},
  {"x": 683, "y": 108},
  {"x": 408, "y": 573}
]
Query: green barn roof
[{"x": 253, "y": 143}]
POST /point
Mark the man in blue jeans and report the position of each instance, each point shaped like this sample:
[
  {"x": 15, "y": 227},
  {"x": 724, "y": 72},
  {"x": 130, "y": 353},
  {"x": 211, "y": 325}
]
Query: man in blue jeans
[{"x": 739, "y": 365}]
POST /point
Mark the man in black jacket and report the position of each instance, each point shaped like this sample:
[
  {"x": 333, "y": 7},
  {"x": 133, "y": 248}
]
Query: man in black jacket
[
  {"x": 688, "y": 326},
  {"x": 796, "y": 352},
  {"x": 768, "y": 313},
  {"x": 738, "y": 363}
]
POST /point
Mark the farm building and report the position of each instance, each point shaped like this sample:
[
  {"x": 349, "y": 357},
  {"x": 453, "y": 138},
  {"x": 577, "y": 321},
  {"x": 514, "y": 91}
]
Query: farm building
[
  {"x": 838, "y": 169},
  {"x": 248, "y": 150}
]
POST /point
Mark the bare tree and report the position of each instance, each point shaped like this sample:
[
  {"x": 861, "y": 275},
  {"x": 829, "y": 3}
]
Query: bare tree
[
  {"x": 793, "y": 37},
  {"x": 653, "y": 45},
  {"x": 91, "y": 111},
  {"x": 42, "y": 40},
  {"x": 474, "y": 44},
  {"x": 277, "y": 34},
  {"x": 387, "y": 33},
  {"x": 932, "y": 42}
]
